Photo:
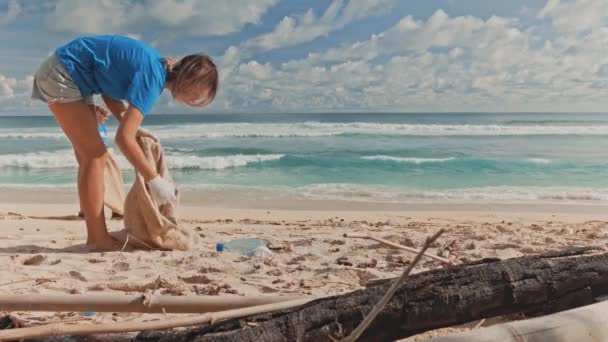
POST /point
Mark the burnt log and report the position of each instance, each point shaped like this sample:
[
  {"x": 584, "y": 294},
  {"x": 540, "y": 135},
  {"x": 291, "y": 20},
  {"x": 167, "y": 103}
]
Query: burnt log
[{"x": 534, "y": 285}]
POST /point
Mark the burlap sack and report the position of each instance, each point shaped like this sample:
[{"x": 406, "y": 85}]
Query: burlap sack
[{"x": 156, "y": 226}]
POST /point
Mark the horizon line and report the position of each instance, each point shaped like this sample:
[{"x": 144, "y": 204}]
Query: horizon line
[{"x": 354, "y": 112}]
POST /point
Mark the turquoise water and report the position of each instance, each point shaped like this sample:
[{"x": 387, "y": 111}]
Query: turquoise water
[{"x": 380, "y": 157}]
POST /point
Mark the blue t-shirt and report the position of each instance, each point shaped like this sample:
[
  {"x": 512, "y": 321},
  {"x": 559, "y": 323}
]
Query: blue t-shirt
[{"x": 121, "y": 67}]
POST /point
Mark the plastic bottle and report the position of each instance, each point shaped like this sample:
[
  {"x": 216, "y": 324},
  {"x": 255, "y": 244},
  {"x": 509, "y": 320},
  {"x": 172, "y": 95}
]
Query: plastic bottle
[
  {"x": 262, "y": 252},
  {"x": 245, "y": 247}
]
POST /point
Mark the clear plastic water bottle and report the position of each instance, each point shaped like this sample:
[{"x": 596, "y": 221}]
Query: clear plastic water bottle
[
  {"x": 262, "y": 252},
  {"x": 245, "y": 247}
]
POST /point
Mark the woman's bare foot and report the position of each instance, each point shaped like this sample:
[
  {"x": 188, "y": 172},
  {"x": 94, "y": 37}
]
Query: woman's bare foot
[{"x": 107, "y": 244}]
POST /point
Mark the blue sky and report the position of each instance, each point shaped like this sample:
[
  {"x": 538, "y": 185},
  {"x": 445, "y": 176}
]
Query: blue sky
[{"x": 340, "y": 55}]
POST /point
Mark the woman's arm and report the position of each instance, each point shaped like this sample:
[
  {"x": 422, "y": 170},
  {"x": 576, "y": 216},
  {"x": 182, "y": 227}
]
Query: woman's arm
[
  {"x": 126, "y": 141},
  {"x": 117, "y": 107}
]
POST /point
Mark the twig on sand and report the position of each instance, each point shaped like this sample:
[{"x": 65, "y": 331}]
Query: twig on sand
[
  {"x": 143, "y": 243},
  {"x": 396, "y": 245},
  {"x": 481, "y": 322},
  {"x": 104, "y": 328},
  {"x": 121, "y": 250},
  {"x": 129, "y": 236},
  {"x": 28, "y": 279},
  {"x": 125, "y": 246},
  {"x": 64, "y": 320},
  {"x": 134, "y": 317},
  {"x": 391, "y": 291}
]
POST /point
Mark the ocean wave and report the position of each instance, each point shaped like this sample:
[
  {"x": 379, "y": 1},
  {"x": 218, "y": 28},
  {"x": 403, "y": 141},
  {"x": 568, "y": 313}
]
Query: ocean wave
[
  {"x": 40, "y": 160},
  {"x": 414, "y": 160},
  {"x": 218, "y": 162},
  {"x": 538, "y": 160},
  {"x": 49, "y": 133},
  {"x": 317, "y": 129},
  {"x": 356, "y": 192},
  {"x": 407, "y": 159},
  {"x": 64, "y": 159},
  {"x": 313, "y": 129}
]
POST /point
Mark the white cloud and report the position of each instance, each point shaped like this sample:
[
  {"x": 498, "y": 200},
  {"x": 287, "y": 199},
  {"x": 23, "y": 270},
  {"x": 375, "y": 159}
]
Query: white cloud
[
  {"x": 208, "y": 17},
  {"x": 439, "y": 31},
  {"x": 256, "y": 71},
  {"x": 11, "y": 87},
  {"x": 292, "y": 30},
  {"x": 573, "y": 16},
  {"x": 6, "y": 87},
  {"x": 90, "y": 17},
  {"x": 15, "y": 95},
  {"x": 356, "y": 9},
  {"x": 194, "y": 17},
  {"x": 442, "y": 63},
  {"x": 289, "y": 31},
  {"x": 12, "y": 11}
]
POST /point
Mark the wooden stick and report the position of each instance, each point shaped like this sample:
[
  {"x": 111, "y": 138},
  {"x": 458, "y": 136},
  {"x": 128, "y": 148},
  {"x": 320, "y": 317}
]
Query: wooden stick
[
  {"x": 378, "y": 281},
  {"x": 479, "y": 324},
  {"x": 106, "y": 328},
  {"x": 391, "y": 291},
  {"x": 111, "y": 302},
  {"x": 29, "y": 279},
  {"x": 64, "y": 320},
  {"x": 396, "y": 245}
]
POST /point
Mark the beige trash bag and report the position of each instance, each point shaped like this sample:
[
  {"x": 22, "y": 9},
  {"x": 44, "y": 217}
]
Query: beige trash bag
[
  {"x": 146, "y": 222},
  {"x": 114, "y": 197}
]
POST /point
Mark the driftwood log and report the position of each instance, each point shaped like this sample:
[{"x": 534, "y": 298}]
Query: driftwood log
[{"x": 444, "y": 297}]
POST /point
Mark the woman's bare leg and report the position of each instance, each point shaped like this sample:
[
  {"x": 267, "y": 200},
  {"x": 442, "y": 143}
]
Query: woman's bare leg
[
  {"x": 79, "y": 161},
  {"x": 80, "y": 126}
]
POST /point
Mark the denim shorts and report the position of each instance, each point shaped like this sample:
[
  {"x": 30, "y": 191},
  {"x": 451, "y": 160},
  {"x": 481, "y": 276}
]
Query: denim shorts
[{"x": 53, "y": 83}]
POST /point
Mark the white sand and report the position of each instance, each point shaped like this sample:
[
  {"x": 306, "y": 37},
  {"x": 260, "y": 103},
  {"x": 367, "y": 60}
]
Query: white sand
[{"x": 307, "y": 244}]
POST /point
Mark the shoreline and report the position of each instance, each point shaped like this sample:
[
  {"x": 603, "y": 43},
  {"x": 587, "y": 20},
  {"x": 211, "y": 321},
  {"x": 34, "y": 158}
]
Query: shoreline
[{"x": 45, "y": 201}]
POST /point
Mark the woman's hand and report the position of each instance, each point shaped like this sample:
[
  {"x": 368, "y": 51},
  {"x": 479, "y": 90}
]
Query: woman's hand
[
  {"x": 162, "y": 191},
  {"x": 101, "y": 114},
  {"x": 126, "y": 140},
  {"x": 144, "y": 133}
]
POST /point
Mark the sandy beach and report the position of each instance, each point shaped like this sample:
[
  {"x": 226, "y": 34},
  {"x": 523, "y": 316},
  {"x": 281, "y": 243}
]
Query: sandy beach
[
  {"x": 42, "y": 245},
  {"x": 337, "y": 135}
]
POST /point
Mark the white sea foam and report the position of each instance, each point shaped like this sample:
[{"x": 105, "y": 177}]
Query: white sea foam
[
  {"x": 439, "y": 160},
  {"x": 407, "y": 160},
  {"x": 65, "y": 159},
  {"x": 538, "y": 160},
  {"x": 315, "y": 129},
  {"x": 311, "y": 129},
  {"x": 218, "y": 162},
  {"x": 28, "y": 134},
  {"x": 40, "y": 160},
  {"x": 355, "y": 192}
]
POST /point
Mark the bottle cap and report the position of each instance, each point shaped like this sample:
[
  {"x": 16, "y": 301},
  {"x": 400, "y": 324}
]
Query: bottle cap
[{"x": 219, "y": 247}]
